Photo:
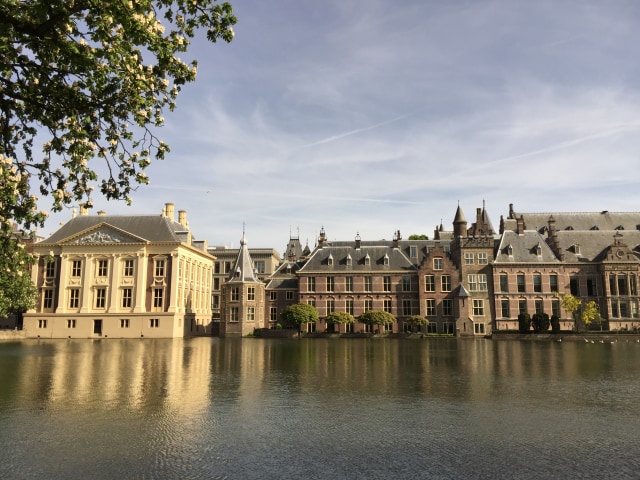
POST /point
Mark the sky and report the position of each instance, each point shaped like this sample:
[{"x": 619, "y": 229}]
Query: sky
[{"x": 369, "y": 116}]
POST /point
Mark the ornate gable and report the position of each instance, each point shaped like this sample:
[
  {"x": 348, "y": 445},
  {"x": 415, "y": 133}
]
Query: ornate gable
[{"x": 102, "y": 234}]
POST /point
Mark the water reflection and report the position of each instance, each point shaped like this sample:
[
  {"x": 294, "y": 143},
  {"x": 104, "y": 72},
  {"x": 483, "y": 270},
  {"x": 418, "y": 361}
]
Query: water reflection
[{"x": 247, "y": 408}]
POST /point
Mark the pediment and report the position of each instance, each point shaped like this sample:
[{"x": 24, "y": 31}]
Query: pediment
[{"x": 102, "y": 234}]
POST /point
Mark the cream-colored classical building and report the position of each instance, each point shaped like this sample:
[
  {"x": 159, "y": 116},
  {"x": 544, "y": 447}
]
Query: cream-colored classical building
[{"x": 122, "y": 276}]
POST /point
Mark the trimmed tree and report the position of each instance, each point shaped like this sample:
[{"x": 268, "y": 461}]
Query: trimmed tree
[
  {"x": 524, "y": 322},
  {"x": 340, "y": 318},
  {"x": 376, "y": 317},
  {"x": 555, "y": 324},
  {"x": 299, "y": 313},
  {"x": 591, "y": 314},
  {"x": 540, "y": 322},
  {"x": 417, "y": 320}
]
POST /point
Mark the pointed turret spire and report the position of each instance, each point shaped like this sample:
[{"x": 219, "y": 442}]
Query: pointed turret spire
[
  {"x": 243, "y": 269},
  {"x": 459, "y": 223}
]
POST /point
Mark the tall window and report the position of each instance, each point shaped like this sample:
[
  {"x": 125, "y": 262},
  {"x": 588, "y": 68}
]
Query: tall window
[
  {"x": 522, "y": 306},
  {"x": 553, "y": 282},
  {"x": 413, "y": 251},
  {"x": 50, "y": 269},
  {"x": 555, "y": 307},
  {"x": 478, "y": 307},
  {"x": 368, "y": 304},
  {"x": 273, "y": 314},
  {"x": 260, "y": 266},
  {"x": 504, "y": 283},
  {"x": 74, "y": 298},
  {"x": 128, "y": 268},
  {"x": 447, "y": 307},
  {"x": 348, "y": 306},
  {"x": 103, "y": 266},
  {"x": 331, "y": 306},
  {"x": 429, "y": 283},
  {"x": 235, "y": 314},
  {"x": 537, "y": 283},
  {"x": 331, "y": 284},
  {"x": 438, "y": 263},
  {"x": 288, "y": 295},
  {"x": 368, "y": 284},
  {"x": 483, "y": 259},
  {"x": 216, "y": 283},
  {"x": 406, "y": 283},
  {"x": 538, "y": 305},
  {"x": 504, "y": 308},
  {"x": 251, "y": 293},
  {"x": 406, "y": 307},
  {"x": 520, "y": 281},
  {"x": 101, "y": 297},
  {"x": 430, "y": 307},
  {"x": 235, "y": 294},
  {"x": 468, "y": 258},
  {"x": 158, "y": 297},
  {"x": 76, "y": 268},
  {"x": 592, "y": 287},
  {"x": 311, "y": 284},
  {"x": 127, "y": 296},
  {"x": 273, "y": 295},
  {"x": 251, "y": 314},
  {"x": 386, "y": 283},
  {"x": 348, "y": 284},
  {"x": 622, "y": 285},
  {"x": 445, "y": 283},
  {"x": 387, "y": 305},
  {"x": 47, "y": 302},
  {"x": 574, "y": 285},
  {"x": 159, "y": 268},
  {"x": 482, "y": 282}
]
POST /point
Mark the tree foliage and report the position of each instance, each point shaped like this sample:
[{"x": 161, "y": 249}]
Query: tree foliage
[
  {"x": 376, "y": 317},
  {"x": 555, "y": 324},
  {"x": 416, "y": 236},
  {"x": 591, "y": 313},
  {"x": 582, "y": 314},
  {"x": 524, "y": 322},
  {"x": 89, "y": 81},
  {"x": 83, "y": 86},
  {"x": 17, "y": 292},
  {"x": 417, "y": 320},
  {"x": 540, "y": 322},
  {"x": 299, "y": 313},
  {"x": 339, "y": 318}
]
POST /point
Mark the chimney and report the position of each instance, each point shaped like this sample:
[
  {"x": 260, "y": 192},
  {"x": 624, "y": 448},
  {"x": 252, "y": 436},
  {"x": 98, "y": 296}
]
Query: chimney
[
  {"x": 322, "y": 238},
  {"x": 168, "y": 208},
  {"x": 102, "y": 213},
  {"x": 357, "y": 241},
  {"x": 83, "y": 210},
  {"x": 396, "y": 239},
  {"x": 520, "y": 225},
  {"x": 182, "y": 216}
]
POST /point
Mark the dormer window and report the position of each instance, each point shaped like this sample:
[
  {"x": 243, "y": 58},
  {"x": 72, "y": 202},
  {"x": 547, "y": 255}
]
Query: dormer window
[
  {"x": 349, "y": 260},
  {"x": 330, "y": 260},
  {"x": 539, "y": 250},
  {"x": 385, "y": 260},
  {"x": 510, "y": 250},
  {"x": 576, "y": 249},
  {"x": 619, "y": 227},
  {"x": 367, "y": 260}
]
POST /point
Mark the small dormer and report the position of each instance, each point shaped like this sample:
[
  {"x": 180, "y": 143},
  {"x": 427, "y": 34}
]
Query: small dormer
[
  {"x": 510, "y": 250},
  {"x": 385, "y": 260},
  {"x": 576, "y": 249},
  {"x": 538, "y": 249},
  {"x": 349, "y": 260},
  {"x": 367, "y": 260},
  {"x": 330, "y": 260}
]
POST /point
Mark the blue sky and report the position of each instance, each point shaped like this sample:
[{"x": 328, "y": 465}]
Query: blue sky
[{"x": 368, "y": 116}]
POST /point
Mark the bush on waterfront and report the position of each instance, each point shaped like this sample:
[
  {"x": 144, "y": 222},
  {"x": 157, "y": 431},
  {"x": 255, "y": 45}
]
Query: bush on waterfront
[
  {"x": 555, "y": 324},
  {"x": 376, "y": 317},
  {"x": 524, "y": 322},
  {"x": 540, "y": 322},
  {"x": 339, "y": 318},
  {"x": 299, "y": 313}
]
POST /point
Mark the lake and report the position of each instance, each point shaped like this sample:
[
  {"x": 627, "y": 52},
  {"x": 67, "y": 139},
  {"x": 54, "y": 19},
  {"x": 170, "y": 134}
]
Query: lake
[{"x": 206, "y": 408}]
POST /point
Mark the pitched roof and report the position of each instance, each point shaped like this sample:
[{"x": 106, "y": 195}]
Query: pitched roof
[
  {"x": 243, "y": 269},
  {"x": 590, "y": 221},
  {"x": 527, "y": 248},
  {"x": 371, "y": 256},
  {"x": 150, "y": 228}
]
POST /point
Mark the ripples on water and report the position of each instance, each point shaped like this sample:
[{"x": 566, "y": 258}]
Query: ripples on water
[{"x": 315, "y": 409}]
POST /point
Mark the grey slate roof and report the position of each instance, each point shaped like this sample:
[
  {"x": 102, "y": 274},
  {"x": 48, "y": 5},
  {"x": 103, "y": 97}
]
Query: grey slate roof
[
  {"x": 593, "y": 244},
  {"x": 151, "y": 228},
  {"x": 524, "y": 248},
  {"x": 583, "y": 220},
  {"x": 243, "y": 269},
  {"x": 339, "y": 252}
]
